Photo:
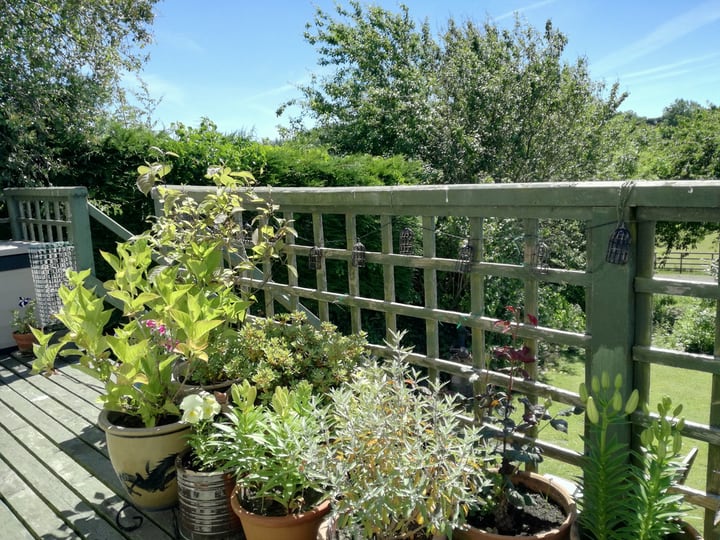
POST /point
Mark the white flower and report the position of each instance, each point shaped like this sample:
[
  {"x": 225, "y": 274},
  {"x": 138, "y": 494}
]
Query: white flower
[
  {"x": 192, "y": 416},
  {"x": 191, "y": 401},
  {"x": 198, "y": 407},
  {"x": 210, "y": 406}
]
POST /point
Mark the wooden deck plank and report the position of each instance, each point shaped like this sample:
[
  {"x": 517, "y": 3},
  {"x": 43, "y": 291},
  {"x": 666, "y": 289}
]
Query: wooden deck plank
[
  {"x": 75, "y": 398},
  {"x": 58, "y": 421},
  {"x": 41, "y": 472},
  {"x": 12, "y": 527},
  {"x": 81, "y": 469},
  {"x": 50, "y": 425},
  {"x": 41, "y": 520}
]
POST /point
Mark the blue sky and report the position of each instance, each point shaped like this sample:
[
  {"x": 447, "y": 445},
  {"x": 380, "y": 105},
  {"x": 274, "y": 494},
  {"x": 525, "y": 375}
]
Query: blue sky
[{"x": 236, "y": 61}]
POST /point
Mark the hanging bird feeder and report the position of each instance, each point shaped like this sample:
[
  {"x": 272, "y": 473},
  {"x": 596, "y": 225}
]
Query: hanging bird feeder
[
  {"x": 315, "y": 258},
  {"x": 464, "y": 259},
  {"x": 358, "y": 254},
  {"x": 407, "y": 241},
  {"x": 619, "y": 245}
]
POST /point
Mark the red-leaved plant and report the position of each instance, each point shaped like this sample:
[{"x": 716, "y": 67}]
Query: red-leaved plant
[{"x": 506, "y": 426}]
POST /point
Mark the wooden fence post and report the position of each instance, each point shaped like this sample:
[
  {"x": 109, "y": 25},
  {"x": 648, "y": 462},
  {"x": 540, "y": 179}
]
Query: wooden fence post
[
  {"x": 79, "y": 229},
  {"x": 611, "y": 309}
]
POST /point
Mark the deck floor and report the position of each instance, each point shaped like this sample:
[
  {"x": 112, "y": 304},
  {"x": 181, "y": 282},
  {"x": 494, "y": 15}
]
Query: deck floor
[
  {"x": 56, "y": 481},
  {"x": 55, "y": 477}
]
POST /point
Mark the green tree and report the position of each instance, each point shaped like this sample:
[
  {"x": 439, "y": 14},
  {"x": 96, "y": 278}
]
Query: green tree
[
  {"x": 479, "y": 103},
  {"x": 511, "y": 109},
  {"x": 684, "y": 144},
  {"x": 378, "y": 99},
  {"x": 61, "y": 62},
  {"x": 688, "y": 144}
]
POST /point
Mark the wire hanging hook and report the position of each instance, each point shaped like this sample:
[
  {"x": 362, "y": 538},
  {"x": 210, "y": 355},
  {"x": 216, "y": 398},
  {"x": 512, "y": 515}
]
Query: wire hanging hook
[{"x": 619, "y": 244}]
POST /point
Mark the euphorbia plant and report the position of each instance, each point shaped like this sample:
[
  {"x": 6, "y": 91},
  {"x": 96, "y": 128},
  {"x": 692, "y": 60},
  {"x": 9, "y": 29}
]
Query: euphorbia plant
[{"x": 273, "y": 449}]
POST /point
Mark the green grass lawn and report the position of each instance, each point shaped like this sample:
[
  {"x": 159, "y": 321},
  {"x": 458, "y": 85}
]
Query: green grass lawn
[
  {"x": 690, "y": 388},
  {"x": 664, "y": 381},
  {"x": 709, "y": 244}
]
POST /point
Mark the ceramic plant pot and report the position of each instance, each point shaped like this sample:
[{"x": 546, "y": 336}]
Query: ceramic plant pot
[
  {"x": 144, "y": 459},
  {"x": 544, "y": 486},
  {"x": 293, "y": 527}
]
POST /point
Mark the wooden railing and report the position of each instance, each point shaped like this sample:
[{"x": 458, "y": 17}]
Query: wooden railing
[
  {"x": 52, "y": 215},
  {"x": 618, "y": 293}
]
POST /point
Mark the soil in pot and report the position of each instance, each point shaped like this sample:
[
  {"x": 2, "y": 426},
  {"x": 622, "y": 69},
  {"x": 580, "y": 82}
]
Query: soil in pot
[
  {"x": 543, "y": 515},
  {"x": 551, "y": 517}
]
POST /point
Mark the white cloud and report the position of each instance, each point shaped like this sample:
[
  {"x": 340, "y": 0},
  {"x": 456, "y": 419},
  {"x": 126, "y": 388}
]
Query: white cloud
[
  {"x": 277, "y": 91},
  {"x": 662, "y": 36},
  {"x": 161, "y": 88},
  {"x": 512, "y": 13},
  {"x": 181, "y": 42},
  {"x": 671, "y": 69}
]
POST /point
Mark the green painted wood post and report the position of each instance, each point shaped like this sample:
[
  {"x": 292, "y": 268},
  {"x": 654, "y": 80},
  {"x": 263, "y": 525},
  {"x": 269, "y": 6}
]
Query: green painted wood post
[
  {"x": 293, "y": 302},
  {"x": 79, "y": 229},
  {"x": 320, "y": 271},
  {"x": 477, "y": 304},
  {"x": 430, "y": 289},
  {"x": 353, "y": 271},
  {"x": 13, "y": 207},
  {"x": 531, "y": 261},
  {"x": 268, "y": 295},
  {"x": 386, "y": 229},
  {"x": 644, "y": 305},
  {"x": 612, "y": 309},
  {"x": 712, "y": 479}
]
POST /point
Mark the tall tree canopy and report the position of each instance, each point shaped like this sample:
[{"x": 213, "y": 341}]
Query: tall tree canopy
[
  {"x": 480, "y": 102},
  {"x": 60, "y": 67}
]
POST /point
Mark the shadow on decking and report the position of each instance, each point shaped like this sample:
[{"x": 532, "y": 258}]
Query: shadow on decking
[{"x": 56, "y": 481}]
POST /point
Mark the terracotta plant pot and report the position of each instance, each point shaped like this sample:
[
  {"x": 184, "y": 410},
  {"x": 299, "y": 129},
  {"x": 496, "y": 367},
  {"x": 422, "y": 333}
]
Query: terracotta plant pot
[
  {"x": 144, "y": 459},
  {"x": 293, "y": 527},
  {"x": 688, "y": 533},
  {"x": 24, "y": 342},
  {"x": 204, "y": 503},
  {"x": 539, "y": 484}
]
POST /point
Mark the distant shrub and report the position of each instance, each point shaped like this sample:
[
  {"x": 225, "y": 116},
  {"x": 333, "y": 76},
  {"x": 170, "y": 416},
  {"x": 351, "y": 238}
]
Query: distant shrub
[
  {"x": 687, "y": 326},
  {"x": 300, "y": 166}
]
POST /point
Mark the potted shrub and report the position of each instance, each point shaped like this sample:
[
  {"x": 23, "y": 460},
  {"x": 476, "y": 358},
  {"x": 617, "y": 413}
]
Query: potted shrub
[
  {"x": 23, "y": 321},
  {"x": 205, "y": 484},
  {"x": 519, "y": 503},
  {"x": 222, "y": 367},
  {"x": 170, "y": 311},
  {"x": 399, "y": 463},
  {"x": 287, "y": 349},
  {"x": 625, "y": 494},
  {"x": 273, "y": 449}
]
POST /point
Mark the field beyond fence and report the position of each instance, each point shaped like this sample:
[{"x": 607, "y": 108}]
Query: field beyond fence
[{"x": 686, "y": 262}]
